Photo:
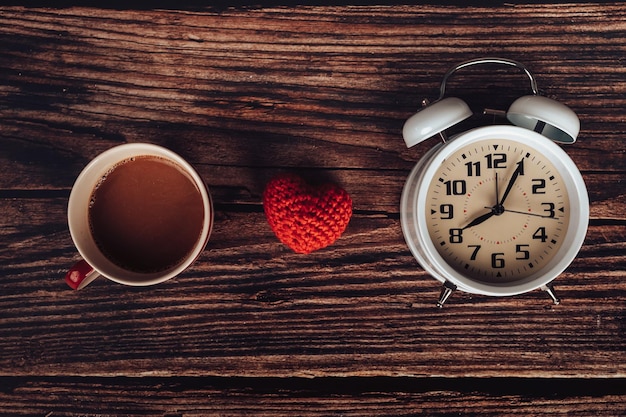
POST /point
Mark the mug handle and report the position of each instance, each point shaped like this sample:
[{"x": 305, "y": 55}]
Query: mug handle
[{"x": 80, "y": 275}]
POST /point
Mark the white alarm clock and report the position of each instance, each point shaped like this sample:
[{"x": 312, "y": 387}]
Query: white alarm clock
[{"x": 498, "y": 210}]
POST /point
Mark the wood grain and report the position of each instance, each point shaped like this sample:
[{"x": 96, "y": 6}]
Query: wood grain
[
  {"x": 244, "y": 93},
  {"x": 285, "y": 397},
  {"x": 250, "y": 307}
]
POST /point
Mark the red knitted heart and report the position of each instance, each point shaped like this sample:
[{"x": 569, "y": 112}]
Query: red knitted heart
[{"x": 306, "y": 217}]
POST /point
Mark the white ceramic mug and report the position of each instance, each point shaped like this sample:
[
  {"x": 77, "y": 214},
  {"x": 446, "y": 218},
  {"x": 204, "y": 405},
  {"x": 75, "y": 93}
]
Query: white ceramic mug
[{"x": 94, "y": 263}]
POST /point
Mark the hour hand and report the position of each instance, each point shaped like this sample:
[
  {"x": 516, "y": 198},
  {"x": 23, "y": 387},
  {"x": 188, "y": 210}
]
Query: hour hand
[{"x": 480, "y": 219}]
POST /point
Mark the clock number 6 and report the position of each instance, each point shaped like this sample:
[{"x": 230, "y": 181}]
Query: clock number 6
[{"x": 497, "y": 260}]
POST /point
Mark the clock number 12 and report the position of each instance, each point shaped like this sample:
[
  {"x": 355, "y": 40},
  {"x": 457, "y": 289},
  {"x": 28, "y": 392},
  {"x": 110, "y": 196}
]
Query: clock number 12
[{"x": 495, "y": 160}]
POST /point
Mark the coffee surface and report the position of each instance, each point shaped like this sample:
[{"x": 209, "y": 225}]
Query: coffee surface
[{"x": 146, "y": 214}]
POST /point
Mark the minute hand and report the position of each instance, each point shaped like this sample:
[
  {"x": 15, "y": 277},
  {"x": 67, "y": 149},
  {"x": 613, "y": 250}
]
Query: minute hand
[{"x": 519, "y": 170}]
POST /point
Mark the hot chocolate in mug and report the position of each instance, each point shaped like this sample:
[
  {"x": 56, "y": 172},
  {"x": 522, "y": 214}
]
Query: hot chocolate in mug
[{"x": 138, "y": 214}]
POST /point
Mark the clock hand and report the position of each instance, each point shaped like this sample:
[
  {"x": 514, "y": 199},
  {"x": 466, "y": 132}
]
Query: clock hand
[
  {"x": 531, "y": 214},
  {"x": 516, "y": 173},
  {"x": 497, "y": 190},
  {"x": 498, "y": 208},
  {"x": 480, "y": 219},
  {"x": 525, "y": 213}
]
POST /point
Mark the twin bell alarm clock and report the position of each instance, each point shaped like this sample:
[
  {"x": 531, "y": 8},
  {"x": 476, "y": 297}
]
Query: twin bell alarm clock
[{"x": 498, "y": 210}]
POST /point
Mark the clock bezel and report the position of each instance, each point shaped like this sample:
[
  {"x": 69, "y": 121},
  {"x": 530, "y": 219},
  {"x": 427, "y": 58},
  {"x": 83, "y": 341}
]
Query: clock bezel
[{"x": 414, "y": 218}]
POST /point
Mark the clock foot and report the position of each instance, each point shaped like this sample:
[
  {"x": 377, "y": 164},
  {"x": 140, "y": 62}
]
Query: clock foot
[
  {"x": 549, "y": 289},
  {"x": 446, "y": 291}
]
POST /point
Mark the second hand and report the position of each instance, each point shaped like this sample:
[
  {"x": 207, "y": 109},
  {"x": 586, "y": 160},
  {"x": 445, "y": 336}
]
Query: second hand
[{"x": 527, "y": 213}]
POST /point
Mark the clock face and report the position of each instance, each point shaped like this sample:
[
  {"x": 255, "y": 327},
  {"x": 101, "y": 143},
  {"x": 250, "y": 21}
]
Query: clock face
[{"x": 497, "y": 210}]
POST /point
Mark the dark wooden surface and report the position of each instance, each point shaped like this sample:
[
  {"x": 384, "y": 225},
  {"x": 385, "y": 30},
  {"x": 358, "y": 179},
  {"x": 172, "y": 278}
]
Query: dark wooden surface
[{"x": 246, "y": 92}]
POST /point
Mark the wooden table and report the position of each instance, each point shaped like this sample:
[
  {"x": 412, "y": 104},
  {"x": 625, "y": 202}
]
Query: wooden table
[{"x": 245, "y": 93}]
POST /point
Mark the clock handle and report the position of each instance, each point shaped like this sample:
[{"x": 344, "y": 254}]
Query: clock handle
[
  {"x": 488, "y": 60},
  {"x": 446, "y": 291},
  {"x": 549, "y": 289}
]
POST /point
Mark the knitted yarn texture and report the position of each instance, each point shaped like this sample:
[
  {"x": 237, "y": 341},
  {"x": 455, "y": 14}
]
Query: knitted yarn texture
[{"x": 306, "y": 217}]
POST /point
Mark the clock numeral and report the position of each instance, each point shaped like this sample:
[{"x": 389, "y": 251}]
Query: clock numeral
[
  {"x": 446, "y": 210},
  {"x": 522, "y": 252},
  {"x": 473, "y": 168},
  {"x": 456, "y": 236},
  {"x": 540, "y": 234},
  {"x": 456, "y": 187},
  {"x": 475, "y": 252},
  {"x": 496, "y": 160},
  {"x": 497, "y": 260},
  {"x": 549, "y": 210},
  {"x": 539, "y": 185}
]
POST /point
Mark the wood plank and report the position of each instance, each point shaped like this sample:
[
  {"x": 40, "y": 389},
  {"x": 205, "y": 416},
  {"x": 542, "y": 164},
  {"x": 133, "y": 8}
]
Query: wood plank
[
  {"x": 372, "y": 191},
  {"x": 172, "y": 397},
  {"x": 318, "y": 87},
  {"x": 250, "y": 307}
]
